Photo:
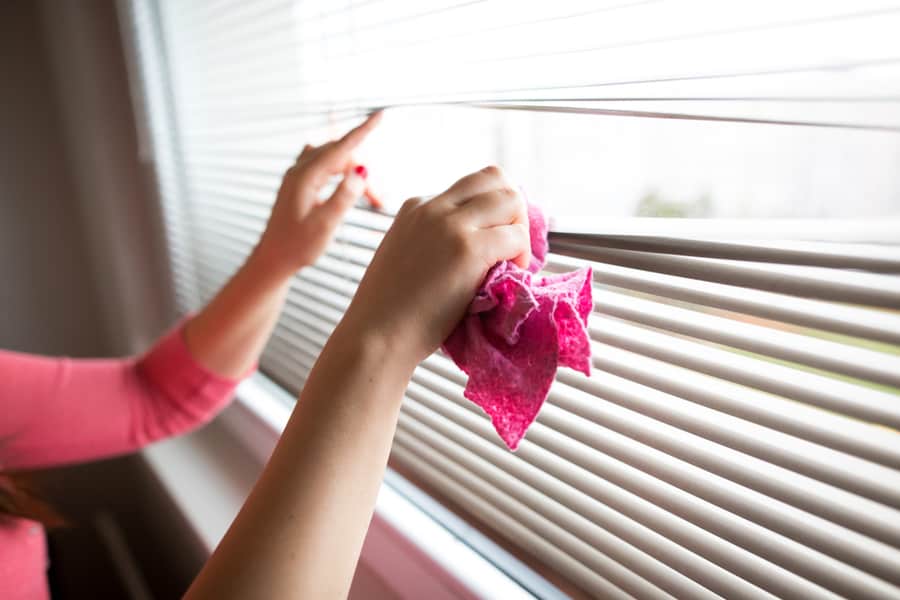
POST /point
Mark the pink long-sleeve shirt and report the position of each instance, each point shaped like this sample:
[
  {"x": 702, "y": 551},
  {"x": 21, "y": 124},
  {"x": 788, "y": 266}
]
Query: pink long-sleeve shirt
[{"x": 62, "y": 411}]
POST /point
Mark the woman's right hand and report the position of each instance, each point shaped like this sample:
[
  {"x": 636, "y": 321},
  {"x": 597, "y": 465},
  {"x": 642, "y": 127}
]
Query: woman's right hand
[{"x": 433, "y": 259}]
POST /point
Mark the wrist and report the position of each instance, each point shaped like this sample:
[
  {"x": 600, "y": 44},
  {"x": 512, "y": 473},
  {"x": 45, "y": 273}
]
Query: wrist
[
  {"x": 379, "y": 340},
  {"x": 269, "y": 264}
]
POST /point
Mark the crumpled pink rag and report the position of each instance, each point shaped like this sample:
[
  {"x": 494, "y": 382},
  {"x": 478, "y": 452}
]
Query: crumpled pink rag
[{"x": 519, "y": 328}]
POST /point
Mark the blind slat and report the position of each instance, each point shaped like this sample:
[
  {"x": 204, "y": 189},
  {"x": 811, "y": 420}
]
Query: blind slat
[
  {"x": 806, "y": 350},
  {"x": 823, "y": 427},
  {"x": 876, "y": 259},
  {"x": 844, "y": 320},
  {"x": 849, "y": 287},
  {"x": 864, "y": 403}
]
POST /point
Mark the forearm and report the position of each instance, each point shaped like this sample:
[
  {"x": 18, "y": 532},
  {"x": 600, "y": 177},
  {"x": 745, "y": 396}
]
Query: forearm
[
  {"x": 228, "y": 335},
  {"x": 306, "y": 519}
]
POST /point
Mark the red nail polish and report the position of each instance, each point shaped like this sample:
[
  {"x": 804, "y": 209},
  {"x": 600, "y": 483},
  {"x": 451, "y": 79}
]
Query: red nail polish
[{"x": 361, "y": 170}]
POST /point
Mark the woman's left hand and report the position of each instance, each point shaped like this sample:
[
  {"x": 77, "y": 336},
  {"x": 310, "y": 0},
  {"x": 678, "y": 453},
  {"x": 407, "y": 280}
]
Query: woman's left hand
[{"x": 301, "y": 226}]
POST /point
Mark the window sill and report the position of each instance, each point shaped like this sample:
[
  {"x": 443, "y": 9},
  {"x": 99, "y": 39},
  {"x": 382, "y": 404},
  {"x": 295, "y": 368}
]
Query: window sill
[{"x": 407, "y": 553}]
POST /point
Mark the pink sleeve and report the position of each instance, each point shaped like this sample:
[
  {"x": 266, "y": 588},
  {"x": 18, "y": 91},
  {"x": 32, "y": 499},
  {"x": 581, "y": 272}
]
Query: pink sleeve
[{"x": 59, "y": 410}]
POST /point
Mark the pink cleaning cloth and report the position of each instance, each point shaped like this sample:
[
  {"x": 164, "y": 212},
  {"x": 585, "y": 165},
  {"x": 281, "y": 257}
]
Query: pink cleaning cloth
[{"x": 519, "y": 328}]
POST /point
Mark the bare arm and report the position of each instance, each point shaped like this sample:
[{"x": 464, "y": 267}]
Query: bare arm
[
  {"x": 228, "y": 335},
  {"x": 305, "y": 521},
  {"x": 300, "y": 532}
]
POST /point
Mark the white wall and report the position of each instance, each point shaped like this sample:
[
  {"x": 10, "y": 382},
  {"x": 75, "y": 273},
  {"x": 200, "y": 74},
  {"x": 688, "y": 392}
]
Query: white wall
[
  {"x": 82, "y": 259},
  {"x": 48, "y": 297},
  {"x": 121, "y": 216}
]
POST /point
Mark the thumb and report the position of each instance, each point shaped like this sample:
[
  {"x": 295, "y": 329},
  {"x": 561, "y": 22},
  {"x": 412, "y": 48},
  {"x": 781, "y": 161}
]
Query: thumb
[{"x": 347, "y": 193}]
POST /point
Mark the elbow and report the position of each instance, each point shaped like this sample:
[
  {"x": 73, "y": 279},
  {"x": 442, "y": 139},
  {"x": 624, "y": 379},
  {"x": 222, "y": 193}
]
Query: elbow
[{"x": 163, "y": 410}]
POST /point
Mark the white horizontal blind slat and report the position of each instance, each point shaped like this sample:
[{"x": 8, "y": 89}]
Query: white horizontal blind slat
[
  {"x": 844, "y": 256},
  {"x": 857, "y": 401},
  {"x": 880, "y": 326},
  {"x": 819, "y": 354},
  {"x": 850, "y": 287}
]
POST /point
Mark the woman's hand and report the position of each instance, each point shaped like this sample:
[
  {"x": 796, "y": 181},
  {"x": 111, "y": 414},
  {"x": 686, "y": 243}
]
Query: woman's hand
[
  {"x": 435, "y": 256},
  {"x": 228, "y": 335},
  {"x": 301, "y": 226}
]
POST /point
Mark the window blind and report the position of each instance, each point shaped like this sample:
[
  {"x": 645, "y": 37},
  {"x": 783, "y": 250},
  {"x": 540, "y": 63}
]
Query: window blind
[{"x": 739, "y": 435}]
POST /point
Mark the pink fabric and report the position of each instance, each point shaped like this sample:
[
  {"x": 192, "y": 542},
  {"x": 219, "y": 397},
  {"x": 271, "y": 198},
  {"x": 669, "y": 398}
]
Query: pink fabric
[
  {"x": 61, "y": 411},
  {"x": 519, "y": 328}
]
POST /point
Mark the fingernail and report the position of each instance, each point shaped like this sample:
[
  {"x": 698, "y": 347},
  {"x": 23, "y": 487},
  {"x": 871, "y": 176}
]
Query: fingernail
[{"x": 361, "y": 170}]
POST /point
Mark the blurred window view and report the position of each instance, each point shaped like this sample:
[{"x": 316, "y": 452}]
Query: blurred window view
[
  {"x": 598, "y": 166},
  {"x": 662, "y": 108}
]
